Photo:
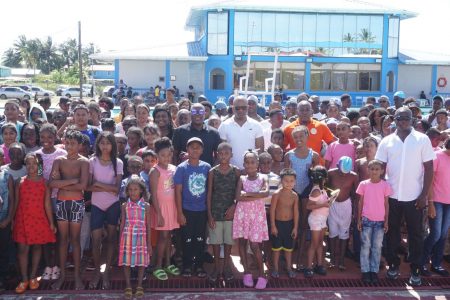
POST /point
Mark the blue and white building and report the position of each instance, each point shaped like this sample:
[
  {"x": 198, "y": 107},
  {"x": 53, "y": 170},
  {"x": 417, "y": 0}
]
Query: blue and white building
[{"x": 319, "y": 47}]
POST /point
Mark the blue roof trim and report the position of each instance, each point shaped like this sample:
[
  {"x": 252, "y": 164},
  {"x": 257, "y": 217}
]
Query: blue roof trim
[{"x": 195, "y": 49}]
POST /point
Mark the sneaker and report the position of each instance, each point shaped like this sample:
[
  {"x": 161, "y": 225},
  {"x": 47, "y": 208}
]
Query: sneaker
[
  {"x": 47, "y": 275},
  {"x": 374, "y": 277},
  {"x": 261, "y": 283},
  {"x": 440, "y": 270},
  {"x": 228, "y": 274},
  {"x": 309, "y": 273},
  {"x": 393, "y": 273},
  {"x": 320, "y": 270},
  {"x": 213, "y": 276},
  {"x": 55, "y": 273},
  {"x": 424, "y": 272},
  {"x": 415, "y": 279},
  {"x": 366, "y": 278},
  {"x": 247, "y": 279}
]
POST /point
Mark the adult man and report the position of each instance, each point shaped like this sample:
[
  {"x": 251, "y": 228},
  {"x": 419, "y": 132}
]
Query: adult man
[
  {"x": 275, "y": 121},
  {"x": 196, "y": 128},
  {"x": 383, "y": 101},
  {"x": 346, "y": 103},
  {"x": 408, "y": 160},
  {"x": 318, "y": 132},
  {"x": 399, "y": 97},
  {"x": 64, "y": 104},
  {"x": 242, "y": 132},
  {"x": 221, "y": 109},
  {"x": 170, "y": 98},
  {"x": 253, "y": 108},
  {"x": 315, "y": 103},
  {"x": 438, "y": 103}
]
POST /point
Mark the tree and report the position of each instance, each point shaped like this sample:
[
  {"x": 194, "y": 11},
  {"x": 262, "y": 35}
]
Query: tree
[
  {"x": 349, "y": 38},
  {"x": 12, "y": 58},
  {"x": 69, "y": 52},
  {"x": 365, "y": 36},
  {"x": 49, "y": 59}
]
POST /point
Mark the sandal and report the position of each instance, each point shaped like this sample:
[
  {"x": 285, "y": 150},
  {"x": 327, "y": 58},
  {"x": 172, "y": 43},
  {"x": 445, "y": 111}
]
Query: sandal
[
  {"x": 187, "y": 272},
  {"x": 275, "y": 274},
  {"x": 128, "y": 293},
  {"x": 160, "y": 274},
  {"x": 308, "y": 273},
  {"x": 34, "y": 284},
  {"x": 22, "y": 287},
  {"x": 200, "y": 272},
  {"x": 172, "y": 270},
  {"x": 261, "y": 283},
  {"x": 139, "y": 292}
]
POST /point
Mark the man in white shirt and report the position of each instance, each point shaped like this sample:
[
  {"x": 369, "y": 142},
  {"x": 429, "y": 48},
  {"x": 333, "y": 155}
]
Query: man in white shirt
[
  {"x": 242, "y": 132},
  {"x": 408, "y": 159}
]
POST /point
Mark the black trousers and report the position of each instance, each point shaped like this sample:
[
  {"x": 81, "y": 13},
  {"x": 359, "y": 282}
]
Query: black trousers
[
  {"x": 5, "y": 245},
  {"x": 193, "y": 236},
  {"x": 413, "y": 218}
]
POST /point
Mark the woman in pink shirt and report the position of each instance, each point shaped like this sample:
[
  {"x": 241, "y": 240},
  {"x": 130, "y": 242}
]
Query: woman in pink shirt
[{"x": 438, "y": 214}]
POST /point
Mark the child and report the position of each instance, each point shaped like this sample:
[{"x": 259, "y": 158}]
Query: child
[
  {"x": 355, "y": 133},
  {"x": 16, "y": 167},
  {"x": 134, "y": 166},
  {"x": 106, "y": 172},
  {"x": 33, "y": 222},
  {"x": 29, "y": 136},
  {"x": 284, "y": 221},
  {"x": 435, "y": 138},
  {"x": 340, "y": 217},
  {"x": 108, "y": 124},
  {"x": 370, "y": 145},
  {"x": 151, "y": 133},
  {"x": 135, "y": 136},
  {"x": 373, "y": 211},
  {"x": 222, "y": 180},
  {"x": 164, "y": 212},
  {"x": 250, "y": 223},
  {"x": 135, "y": 242},
  {"x": 277, "y": 137},
  {"x": 121, "y": 142},
  {"x": 80, "y": 120},
  {"x": 9, "y": 135},
  {"x": 317, "y": 220},
  {"x": 149, "y": 161},
  {"x": 70, "y": 176},
  {"x": 301, "y": 159},
  {"x": 190, "y": 194},
  {"x": 340, "y": 148},
  {"x": 277, "y": 158},
  {"x": 214, "y": 121}
]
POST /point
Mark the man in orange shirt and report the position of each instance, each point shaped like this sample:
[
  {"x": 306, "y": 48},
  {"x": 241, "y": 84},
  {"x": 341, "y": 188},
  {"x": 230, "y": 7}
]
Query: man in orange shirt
[{"x": 318, "y": 131}]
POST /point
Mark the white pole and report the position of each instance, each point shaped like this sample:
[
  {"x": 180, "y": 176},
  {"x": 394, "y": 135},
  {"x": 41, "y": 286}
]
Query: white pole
[{"x": 248, "y": 73}]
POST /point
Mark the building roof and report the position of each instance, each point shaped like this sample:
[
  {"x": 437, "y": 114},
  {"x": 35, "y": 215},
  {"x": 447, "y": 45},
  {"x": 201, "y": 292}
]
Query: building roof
[
  {"x": 103, "y": 68},
  {"x": 162, "y": 52},
  {"x": 316, "y": 6},
  {"x": 24, "y": 72},
  {"x": 5, "y": 67},
  {"x": 419, "y": 57}
]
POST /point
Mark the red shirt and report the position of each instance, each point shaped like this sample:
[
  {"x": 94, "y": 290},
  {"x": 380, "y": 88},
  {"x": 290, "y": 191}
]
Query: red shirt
[{"x": 318, "y": 132}]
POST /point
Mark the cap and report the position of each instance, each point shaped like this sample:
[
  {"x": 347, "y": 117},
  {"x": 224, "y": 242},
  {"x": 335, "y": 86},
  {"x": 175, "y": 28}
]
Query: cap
[
  {"x": 438, "y": 97},
  {"x": 345, "y": 164},
  {"x": 252, "y": 98},
  {"x": 193, "y": 140},
  {"x": 202, "y": 97},
  {"x": 331, "y": 121},
  {"x": 220, "y": 105},
  {"x": 442, "y": 111},
  {"x": 291, "y": 102},
  {"x": 413, "y": 105},
  {"x": 400, "y": 94}
]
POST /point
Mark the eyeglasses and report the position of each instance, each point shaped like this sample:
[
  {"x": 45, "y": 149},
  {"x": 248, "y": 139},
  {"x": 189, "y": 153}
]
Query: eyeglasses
[
  {"x": 199, "y": 112},
  {"x": 240, "y": 107},
  {"x": 36, "y": 113},
  {"x": 402, "y": 118}
]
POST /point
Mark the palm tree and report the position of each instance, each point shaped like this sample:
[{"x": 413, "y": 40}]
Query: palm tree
[
  {"x": 69, "y": 52},
  {"x": 349, "y": 38},
  {"x": 12, "y": 58},
  {"x": 365, "y": 36},
  {"x": 49, "y": 59}
]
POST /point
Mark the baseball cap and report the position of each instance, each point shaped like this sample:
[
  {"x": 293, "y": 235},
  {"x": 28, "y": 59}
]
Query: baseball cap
[
  {"x": 331, "y": 121},
  {"x": 400, "y": 94},
  {"x": 220, "y": 105},
  {"x": 442, "y": 111},
  {"x": 202, "y": 97},
  {"x": 252, "y": 98},
  {"x": 345, "y": 164},
  {"x": 194, "y": 140}
]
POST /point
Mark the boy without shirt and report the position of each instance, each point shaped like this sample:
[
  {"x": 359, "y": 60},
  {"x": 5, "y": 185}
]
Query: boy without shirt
[
  {"x": 340, "y": 216},
  {"x": 284, "y": 215},
  {"x": 70, "y": 176}
]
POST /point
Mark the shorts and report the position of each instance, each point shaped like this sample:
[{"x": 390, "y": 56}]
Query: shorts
[
  {"x": 284, "y": 240},
  {"x": 100, "y": 217},
  {"x": 317, "y": 222},
  {"x": 70, "y": 211},
  {"x": 340, "y": 219},
  {"x": 222, "y": 234}
]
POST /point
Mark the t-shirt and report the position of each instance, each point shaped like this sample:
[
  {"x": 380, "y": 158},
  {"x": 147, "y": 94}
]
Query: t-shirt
[
  {"x": 92, "y": 133},
  {"x": 274, "y": 184},
  {"x": 15, "y": 174},
  {"x": 223, "y": 192},
  {"x": 441, "y": 179},
  {"x": 48, "y": 160},
  {"x": 194, "y": 181},
  {"x": 318, "y": 132},
  {"x": 104, "y": 174},
  {"x": 374, "y": 194},
  {"x": 144, "y": 176},
  {"x": 337, "y": 150}
]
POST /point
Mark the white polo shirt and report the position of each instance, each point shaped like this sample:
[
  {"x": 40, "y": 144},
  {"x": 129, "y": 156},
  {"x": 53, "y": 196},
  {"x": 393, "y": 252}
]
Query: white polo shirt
[
  {"x": 241, "y": 138},
  {"x": 404, "y": 163},
  {"x": 267, "y": 131}
]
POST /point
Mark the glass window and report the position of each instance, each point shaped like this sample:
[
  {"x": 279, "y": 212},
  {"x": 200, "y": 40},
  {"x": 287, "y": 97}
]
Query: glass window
[
  {"x": 309, "y": 32},
  {"x": 282, "y": 31},
  {"x": 268, "y": 32},
  {"x": 240, "y": 33},
  {"x": 295, "y": 32},
  {"x": 218, "y": 33},
  {"x": 323, "y": 34},
  {"x": 349, "y": 37},
  {"x": 217, "y": 79},
  {"x": 292, "y": 76},
  {"x": 376, "y": 27},
  {"x": 254, "y": 32},
  {"x": 394, "y": 24},
  {"x": 364, "y": 35},
  {"x": 336, "y": 34}
]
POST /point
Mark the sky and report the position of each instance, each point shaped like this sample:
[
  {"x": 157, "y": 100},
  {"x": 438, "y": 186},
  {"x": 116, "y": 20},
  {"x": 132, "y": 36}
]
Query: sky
[{"x": 140, "y": 24}]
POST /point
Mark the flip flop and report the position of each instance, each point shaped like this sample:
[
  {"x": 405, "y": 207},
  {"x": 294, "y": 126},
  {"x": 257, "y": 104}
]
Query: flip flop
[
  {"x": 160, "y": 274},
  {"x": 172, "y": 270},
  {"x": 139, "y": 292},
  {"x": 22, "y": 287}
]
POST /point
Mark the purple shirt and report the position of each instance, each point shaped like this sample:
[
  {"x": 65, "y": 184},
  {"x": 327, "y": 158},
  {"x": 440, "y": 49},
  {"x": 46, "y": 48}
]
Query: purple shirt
[{"x": 104, "y": 174}]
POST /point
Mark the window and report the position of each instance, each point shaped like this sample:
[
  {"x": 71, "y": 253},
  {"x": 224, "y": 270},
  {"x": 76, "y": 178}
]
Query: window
[
  {"x": 217, "y": 79},
  {"x": 345, "y": 77},
  {"x": 390, "y": 81},
  {"x": 218, "y": 33},
  {"x": 394, "y": 24}
]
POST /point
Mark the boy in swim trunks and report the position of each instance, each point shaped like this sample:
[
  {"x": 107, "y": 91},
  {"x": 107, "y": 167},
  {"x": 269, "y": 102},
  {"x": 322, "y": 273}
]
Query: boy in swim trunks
[
  {"x": 340, "y": 216},
  {"x": 284, "y": 215},
  {"x": 70, "y": 176}
]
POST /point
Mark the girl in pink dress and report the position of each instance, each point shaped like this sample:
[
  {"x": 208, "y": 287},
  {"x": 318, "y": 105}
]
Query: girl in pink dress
[
  {"x": 164, "y": 212},
  {"x": 135, "y": 241},
  {"x": 250, "y": 222}
]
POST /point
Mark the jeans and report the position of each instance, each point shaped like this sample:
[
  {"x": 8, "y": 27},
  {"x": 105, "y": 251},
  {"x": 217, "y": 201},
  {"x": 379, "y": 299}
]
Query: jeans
[
  {"x": 435, "y": 242},
  {"x": 371, "y": 241},
  {"x": 413, "y": 218},
  {"x": 193, "y": 236}
]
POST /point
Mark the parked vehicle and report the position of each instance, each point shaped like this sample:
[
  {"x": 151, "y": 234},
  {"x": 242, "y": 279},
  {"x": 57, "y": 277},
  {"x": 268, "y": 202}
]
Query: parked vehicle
[
  {"x": 108, "y": 91},
  {"x": 88, "y": 89},
  {"x": 60, "y": 89},
  {"x": 14, "y": 92},
  {"x": 40, "y": 92},
  {"x": 74, "y": 92}
]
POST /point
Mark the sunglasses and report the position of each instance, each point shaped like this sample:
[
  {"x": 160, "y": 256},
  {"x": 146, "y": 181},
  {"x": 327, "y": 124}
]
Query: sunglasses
[
  {"x": 402, "y": 118},
  {"x": 199, "y": 112}
]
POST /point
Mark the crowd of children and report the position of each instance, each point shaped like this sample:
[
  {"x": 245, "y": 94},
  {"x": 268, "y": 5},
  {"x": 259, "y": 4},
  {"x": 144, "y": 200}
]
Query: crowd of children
[{"x": 70, "y": 184}]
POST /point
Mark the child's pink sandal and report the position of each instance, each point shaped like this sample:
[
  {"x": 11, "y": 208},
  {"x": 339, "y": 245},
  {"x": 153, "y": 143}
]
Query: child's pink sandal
[
  {"x": 248, "y": 280},
  {"x": 261, "y": 284}
]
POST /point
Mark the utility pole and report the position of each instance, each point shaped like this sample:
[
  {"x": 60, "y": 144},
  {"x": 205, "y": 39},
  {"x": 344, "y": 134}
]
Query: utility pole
[{"x": 80, "y": 59}]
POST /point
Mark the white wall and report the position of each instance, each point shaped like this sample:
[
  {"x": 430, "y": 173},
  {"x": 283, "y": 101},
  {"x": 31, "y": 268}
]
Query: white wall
[
  {"x": 443, "y": 71},
  {"x": 142, "y": 73},
  {"x": 187, "y": 73},
  {"x": 412, "y": 79}
]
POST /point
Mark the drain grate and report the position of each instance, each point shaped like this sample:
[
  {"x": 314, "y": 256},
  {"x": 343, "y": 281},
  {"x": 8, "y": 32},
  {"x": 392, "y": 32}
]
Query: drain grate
[{"x": 282, "y": 284}]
